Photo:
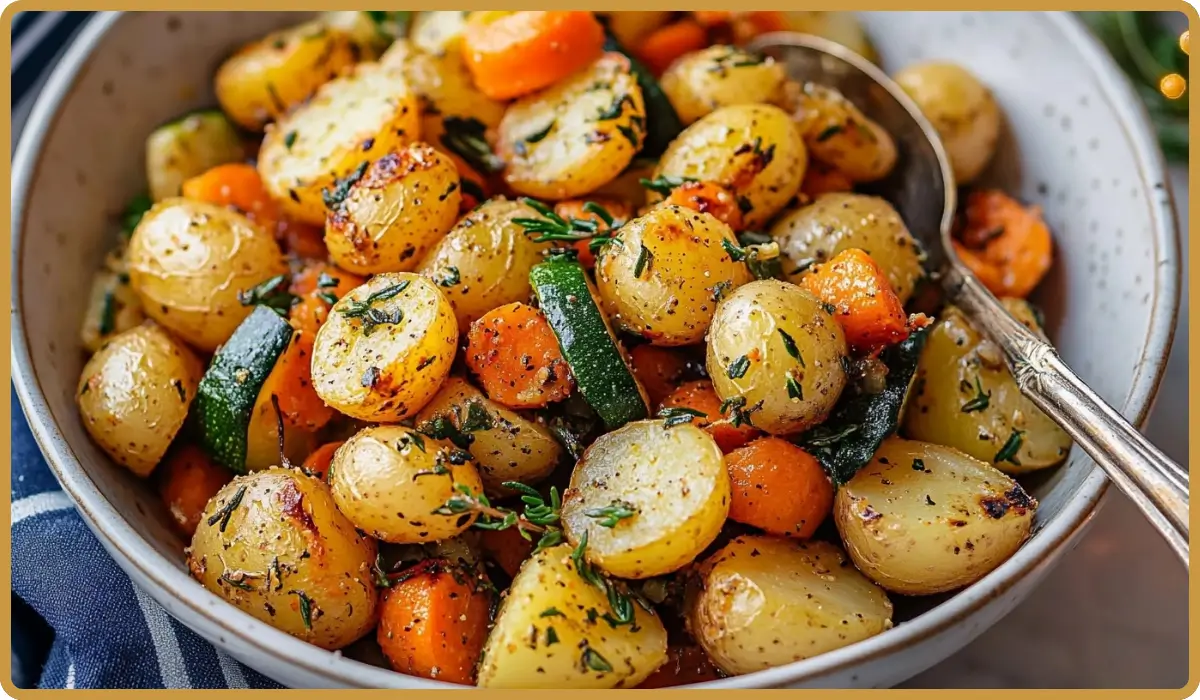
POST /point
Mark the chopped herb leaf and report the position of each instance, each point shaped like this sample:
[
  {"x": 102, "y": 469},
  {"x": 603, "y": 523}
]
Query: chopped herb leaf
[
  {"x": 645, "y": 257},
  {"x": 678, "y": 415},
  {"x": 540, "y": 134},
  {"x": 108, "y": 314},
  {"x": 613, "y": 513},
  {"x": 447, "y": 277},
  {"x": 790, "y": 345},
  {"x": 1008, "y": 453},
  {"x": 305, "y": 609},
  {"x": 333, "y": 196},
  {"x": 272, "y": 293},
  {"x": 615, "y": 109},
  {"x": 325, "y": 280},
  {"x": 829, "y": 132},
  {"x": 664, "y": 184},
  {"x": 794, "y": 390},
  {"x": 551, "y": 612},
  {"x": 918, "y": 465},
  {"x": 134, "y": 211},
  {"x": 466, "y": 137},
  {"x": 238, "y": 583},
  {"x": 225, "y": 511},
  {"x": 592, "y": 660},
  {"x": 981, "y": 400},
  {"x": 738, "y": 368},
  {"x": 551, "y": 636},
  {"x": 289, "y": 139}
]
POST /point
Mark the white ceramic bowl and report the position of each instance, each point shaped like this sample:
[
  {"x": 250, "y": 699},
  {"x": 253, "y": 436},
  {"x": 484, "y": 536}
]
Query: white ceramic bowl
[{"x": 1077, "y": 143}]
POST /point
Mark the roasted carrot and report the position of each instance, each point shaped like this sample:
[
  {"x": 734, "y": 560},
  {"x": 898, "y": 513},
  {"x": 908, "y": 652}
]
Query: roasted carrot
[
  {"x": 516, "y": 357},
  {"x": 864, "y": 302},
  {"x": 685, "y": 664},
  {"x": 187, "y": 480},
  {"x": 778, "y": 488},
  {"x": 665, "y": 44},
  {"x": 1005, "y": 244},
  {"x": 291, "y": 383},
  {"x": 822, "y": 179},
  {"x": 506, "y": 547},
  {"x": 317, "y": 285},
  {"x": 318, "y": 462},
  {"x": 658, "y": 369},
  {"x": 511, "y": 54},
  {"x": 574, "y": 209},
  {"x": 433, "y": 621},
  {"x": 710, "y": 198},
  {"x": 700, "y": 396}
]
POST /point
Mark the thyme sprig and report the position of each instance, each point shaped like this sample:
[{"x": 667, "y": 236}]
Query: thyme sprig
[
  {"x": 552, "y": 227},
  {"x": 539, "y": 516}
]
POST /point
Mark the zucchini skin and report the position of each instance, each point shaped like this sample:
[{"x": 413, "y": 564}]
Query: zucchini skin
[
  {"x": 587, "y": 343},
  {"x": 662, "y": 122},
  {"x": 229, "y": 389}
]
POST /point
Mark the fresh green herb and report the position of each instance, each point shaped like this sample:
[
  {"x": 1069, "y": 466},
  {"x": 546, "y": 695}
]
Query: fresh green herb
[
  {"x": 981, "y": 400},
  {"x": 447, "y": 277},
  {"x": 592, "y": 660},
  {"x": 325, "y": 280},
  {"x": 371, "y": 316},
  {"x": 477, "y": 418},
  {"x": 225, "y": 511},
  {"x": 664, "y": 184},
  {"x": 599, "y": 211},
  {"x": 790, "y": 345},
  {"x": 289, "y": 139},
  {"x": 540, "y": 134},
  {"x": 238, "y": 583},
  {"x": 276, "y": 572},
  {"x": 305, "y": 608},
  {"x": 273, "y": 293},
  {"x": 379, "y": 573},
  {"x": 612, "y": 513},
  {"x": 552, "y": 227},
  {"x": 645, "y": 257},
  {"x": 736, "y": 252},
  {"x": 466, "y": 137},
  {"x": 738, "y": 368},
  {"x": 615, "y": 109},
  {"x": 1008, "y": 452},
  {"x": 334, "y": 196},
  {"x": 631, "y": 135},
  {"x": 918, "y": 465},
  {"x": 108, "y": 314},
  {"x": 794, "y": 390},
  {"x": 551, "y": 636},
  {"x": 829, "y": 437},
  {"x": 414, "y": 439},
  {"x": 551, "y": 612},
  {"x": 829, "y": 132},
  {"x": 739, "y": 415},
  {"x": 678, "y": 415},
  {"x": 134, "y": 211},
  {"x": 720, "y": 290}
]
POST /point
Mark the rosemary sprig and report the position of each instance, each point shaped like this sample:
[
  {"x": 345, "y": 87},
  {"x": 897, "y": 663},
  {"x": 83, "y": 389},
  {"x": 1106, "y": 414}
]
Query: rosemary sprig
[
  {"x": 613, "y": 513},
  {"x": 678, "y": 415},
  {"x": 552, "y": 227},
  {"x": 538, "y": 517},
  {"x": 981, "y": 400},
  {"x": 372, "y": 316}
]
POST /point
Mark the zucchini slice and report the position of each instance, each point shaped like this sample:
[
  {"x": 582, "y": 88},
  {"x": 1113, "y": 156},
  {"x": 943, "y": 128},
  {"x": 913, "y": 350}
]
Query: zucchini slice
[
  {"x": 588, "y": 344},
  {"x": 229, "y": 389},
  {"x": 662, "y": 122}
]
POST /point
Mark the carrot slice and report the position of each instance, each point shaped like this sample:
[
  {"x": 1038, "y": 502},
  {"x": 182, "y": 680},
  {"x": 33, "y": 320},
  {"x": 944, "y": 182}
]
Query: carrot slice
[
  {"x": 1006, "y": 245},
  {"x": 515, "y": 354},
  {"x": 511, "y": 54},
  {"x": 821, "y": 179},
  {"x": 660, "y": 49},
  {"x": 187, "y": 480},
  {"x": 291, "y": 383},
  {"x": 700, "y": 396},
  {"x": 433, "y": 622},
  {"x": 685, "y": 664},
  {"x": 506, "y": 547},
  {"x": 318, "y": 462},
  {"x": 574, "y": 209},
  {"x": 314, "y": 306},
  {"x": 864, "y": 302},
  {"x": 778, "y": 488},
  {"x": 658, "y": 369},
  {"x": 710, "y": 198}
]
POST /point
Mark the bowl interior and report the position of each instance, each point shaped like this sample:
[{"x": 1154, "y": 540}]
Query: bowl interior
[{"x": 1067, "y": 147}]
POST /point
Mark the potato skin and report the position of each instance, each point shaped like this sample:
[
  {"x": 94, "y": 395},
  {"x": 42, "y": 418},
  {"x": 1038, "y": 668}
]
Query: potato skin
[
  {"x": 962, "y": 110},
  {"x": 837, "y": 221},
  {"x": 548, "y": 581},
  {"x": 284, "y": 542},
  {"x": 444, "y": 85},
  {"x": 945, "y": 409},
  {"x": 721, "y": 148},
  {"x": 513, "y": 449},
  {"x": 113, "y": 306},
  {"x": 576, "y": 135},
  {"x": 134, "y": 393},
  {"x": 762, "y": 601},
  {"x": 490, "y": 255},
  {"x": 674, "y": 478},
  {"x": 389, "y": 479},
  {"x": 749, "y": 357},
  {"x": 922, "y": 519},
  {"x": 684, "y": 270},
  {"x": 352, "y": 119},
  {"x": 838, "y": 134},
  {"x": 720, "y": 76},
  {"x": 387, "y": 372},
  {"x": 188, "y": 261},
  {"x": 404, "y": 203},
  {"x": 187, "y": 147}
]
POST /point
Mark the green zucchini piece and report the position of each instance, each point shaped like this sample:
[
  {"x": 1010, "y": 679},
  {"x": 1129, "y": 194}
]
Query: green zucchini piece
[
  {"x": 587, "y": 342},
  {"x": 848, "y": 440},
  {"x": 186, "y": 147},
  {"x": 662, "y": 122},
  {"x": 229, "y": 389}
]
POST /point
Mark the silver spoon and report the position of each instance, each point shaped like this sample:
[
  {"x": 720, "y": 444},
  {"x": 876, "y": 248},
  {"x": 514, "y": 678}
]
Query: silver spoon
[{"x": 922, "y": 189}]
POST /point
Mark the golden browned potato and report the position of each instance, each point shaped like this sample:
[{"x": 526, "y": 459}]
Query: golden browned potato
[
  {"x": 576, "y": 135},
  {"x": 113, "y": 306},
  {"x": 720, "y": 76},
  {"x": 444, "y": 86},
  {"x": 834, "y": 222},
  {"x": 775, "y": 350},
  {"x": 274, "y": 545},
  {"x": 961, "y": 109},
  {"x": 838, "y": 134},
  {"x": 550, "y": 632},
  {"x": 922, "y": 519},
  {"x": 186, "y": 147},
  {"x": 385, "y": 349},
  {"x": 188, "y": 261},
  {"x": 966, "y": 398},
  {"x": 389, "y": 481},
  {"x": 506, "y": 446},
  {"x": 265, "y": 79},
  {"x": 484, "y": 261},
  {"x": 761, "y": 602},
  {"x": 647, "y": 498},
  {"x": 351, "y": 120},
  {"x": 134, "y": 394},
  {"x": 663, "y": 275},
  {"x": 753, "y": 150},
  {"x": 369, "y": 35},
  {"x": 403, "y": 204}
]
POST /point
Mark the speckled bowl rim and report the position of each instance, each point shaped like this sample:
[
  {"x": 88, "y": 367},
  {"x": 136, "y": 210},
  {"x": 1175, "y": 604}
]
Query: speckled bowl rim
[{"x": 171, "y": 582}]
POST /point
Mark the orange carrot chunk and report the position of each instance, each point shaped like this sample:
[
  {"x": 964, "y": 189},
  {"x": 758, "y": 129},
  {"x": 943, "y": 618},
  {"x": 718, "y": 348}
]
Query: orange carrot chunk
[
  {"x": 187, "y": 479},
  {"x": 511, "y": 54},
  {"x": 700, "y": 396},
  {"x": 574, "y": 209},
  {"x": 433, "y": 622},
  {"x": 778, "y": 488},
  {"x": 665, "y": 44},
  {"x": 864, "y": 302},
  {"x": 658, "y": 369},
  {"x": 515, "y": 354},
  {"x": 1005, "y": 244},
  {"x": 318, "y": 462},
  {"x": 291, "y": 383},
  {"x": 317, "y": 285},
  {"x": 710, "y": 198},
  {"x": 821, "y": 179},
  {"x": 506, "y": 547}
]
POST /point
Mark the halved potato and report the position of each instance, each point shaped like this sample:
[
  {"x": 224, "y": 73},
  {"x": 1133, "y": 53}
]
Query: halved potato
[
  {"x": 962, "y": 110},
  {"x": 438, "y": 32},
  {"x": 838, "y": 134},
  {"x": 186, "y": 147},
  {"x": 719, "y": 76}
]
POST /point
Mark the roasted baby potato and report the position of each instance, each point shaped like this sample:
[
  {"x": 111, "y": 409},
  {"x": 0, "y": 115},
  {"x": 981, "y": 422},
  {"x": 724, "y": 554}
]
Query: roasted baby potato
[
  {"x": 369, "y": 35},
  {"x": 647, "y": 498},
  {"x": 962, "y": 110},
  {"x": 720, "y": 76},
  {"x": 484, "y": 261},
  {"x": 506, "y": 446},
  {"x": 761, "y": 602},
  {"x": 351, "y": 120},
  {"x": 663, "y": 275},
  {"x": 922, "y": 519},
  {"x": 753, "y": 150},
  {"x": 186, "y": 147},
  {"x": 266, "y": 78},
  {"x": 964, "y": 397},
  {"x": 274, "y": 545},
  {"x": 134, "y": 394},
  {"x": 575, "y": 136},
  {"x": 544, "y": 636},
  {"x": 113, "y": 306},
  {"x": 385, "y": 349},
  {"x": 390, "y": 217},
  {"x": 389, "y": 480},
  {"x": 438, "y": 33},
  {"x": 838, "y": 134},
  {"x": 443, "y": 84},
  {"x": 776, "y": 351},
  {"x": 835, "y": 222}
]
